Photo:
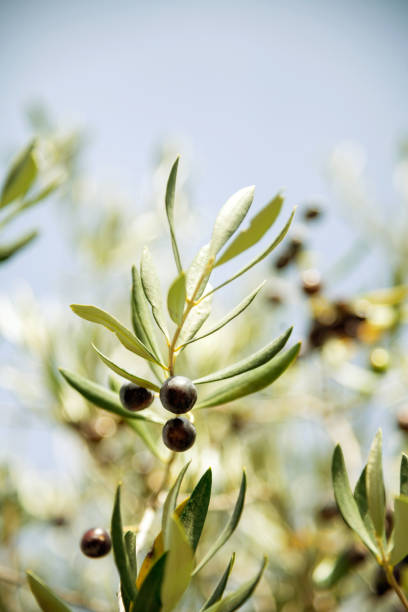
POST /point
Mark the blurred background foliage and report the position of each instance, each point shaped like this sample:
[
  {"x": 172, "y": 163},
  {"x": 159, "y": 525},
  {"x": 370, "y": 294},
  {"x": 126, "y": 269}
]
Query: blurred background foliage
[{"x": 65, "y": 456}]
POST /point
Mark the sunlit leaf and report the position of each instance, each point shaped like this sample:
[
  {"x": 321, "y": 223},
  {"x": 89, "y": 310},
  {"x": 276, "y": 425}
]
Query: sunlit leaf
[
  {"x": 220, "y": 588},
  {"x": 151, "y": 287},
  {"x": 375, "y": 485},
  {"x": 389, "y": 296},
  {"x": 195, "y": 511},
  {"x": 46, "y": 599},
  {"x": 105, "y": 398},
  {"x": 360, "y": 495},
  {"x": 232, "y": 314},
  {"x": 400, "y": 536},
  {"x": 176, "y": 298},
  {"x": 169, "y": 505},
  {"x": 143, "y": 323},
  {"x": 256, "y": 360},
  {"x": 260, "y": 257},
  {"x": 10, "y": 249},
  {"x": 179, "y": 565},
  {"x": 195, "y": 320},
  {"x": 170, "y": 196},
  {"x": 125, "y": 337},
  {"x": 142, "y": 382},
  {"x": 199, "y": 272},
  {"x": 20, "y": 176},
  {"x": 149, "y": 597},
  {"x": 404, "y": 475},
  {"x": 252, "y": 381},
  {"x": 236, "y": 599},
  {"x": 345, "y": 501},
  {"x": 256, "y": 229},
  {"x": 119, "y": 550},
  {"x": 230, "y": 218},
  {"x": 229, "y": 527}
]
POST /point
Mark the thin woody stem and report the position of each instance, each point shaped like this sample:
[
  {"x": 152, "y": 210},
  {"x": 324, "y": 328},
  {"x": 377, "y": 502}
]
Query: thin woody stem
[{"x": 389, "y": 572}]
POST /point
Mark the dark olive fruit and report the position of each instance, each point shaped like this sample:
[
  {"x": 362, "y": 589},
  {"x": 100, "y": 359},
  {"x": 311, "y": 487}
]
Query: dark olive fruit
[
  {"x": 402, "y": 420},
  {"x": 328, "y": 512},
  {"x": 356, "y": 554},
  {"x": 96, "y": 542},
  {"x": 179, "y": 434},
  {"x": 134, "y": 397},
  {"x": 312, "y": 212},
  {"x": 283, "y": 261},
  {"x": 178, "y": 394}
]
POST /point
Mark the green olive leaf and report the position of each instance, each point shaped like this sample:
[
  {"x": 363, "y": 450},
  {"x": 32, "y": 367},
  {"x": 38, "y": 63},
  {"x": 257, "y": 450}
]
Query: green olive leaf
[
  {"x": 346, "y": 502},
  {"x": 220, "y": 588},
  {"x": 45, "y": 597},
  {"x": 404, "y": 475},
  {"x": 249, "y": 363},
  {"x": 195, "y": 511},
  {"x": 151, "y": 287},
  {"x": 125, "y": 337},
  {"x": 130, "y": 544},
  {"x": 176, "y": 298},
  {"x": 170, "y": 197},
  {"x": 260, "y": 257},
  {"x": 10, "y": 249},
  {"x": 20, "y": 176},
  {"x": 252, "y": 381},
  {"x": 256, "y": 229},
  {"x": 106, "y": 399},
  {"x": 230, "y": 217},
  {"x": 236, "y": 599},
  {"x": 375, "y": 485},
  {"x": 231, "y": 315},
  {"x": 123, "y": 565},
  {"x": 142, "y": 382},
  {"x": 199, "y": 272},
  {"x": 400, "y": 535},
  {"x": 149, "y": 596},
  {"x": 195, "y": 320},
  {"x": 229, "y": 527}
]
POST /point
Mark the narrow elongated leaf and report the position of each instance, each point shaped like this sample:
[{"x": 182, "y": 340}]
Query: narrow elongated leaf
[
  {"x": 375, "y": 485},
  {"x": 240, "y": 596},
  {"x": 229, "y": 527},
  {"x": 170, "y": 197},
  {"x": 20, "y": 177},
  {"x": 195, "y": 511},
  {"x": 151, "y": 287},
  {"x": 125, "y": 336},
  {"x": 345, "y": 500},
  {"x": 142, "y": 382},
  {"x": 230, "y": 217},
  {"x": 220, "y": 588},
  {"x": 45, "y": 597},
  {"x": 199, "y": 272},
  {"x": 232, "y": 314},
  {"x": 179, "y": 565},
  {"x": 404, "y": 475},
  {"x": 10, "y": 249},
  {"x": 105, "y": 398},
  {"x": 176, "y": 298},
  {"x": 170, "y": 506},
  {"x": 252, "y": 381},
  {"x": 256, "y": 360},
  {"x": 256, "y": 229},
  {"x": 260, "y": 257},
  {"x": 130, "y": 544},
  {"x": 142, "y": 323},
  {"x": 149, "y": 597},
  {"x": 360, "y": 495},
  {"x": 400, "y": 536},
  {"x": 195, "y": 320},
  {"x": 119, "y": 550}
]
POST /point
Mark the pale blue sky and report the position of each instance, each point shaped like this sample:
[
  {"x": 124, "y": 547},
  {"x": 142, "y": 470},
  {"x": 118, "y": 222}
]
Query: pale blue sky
[{"x": 262, "y": 91}]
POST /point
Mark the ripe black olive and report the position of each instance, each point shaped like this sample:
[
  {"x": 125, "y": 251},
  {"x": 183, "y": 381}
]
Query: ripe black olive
[
  {"x": 179, "y": 434},
  {"x": 178, "y": 394},
  {"x": 96, "y": 543},
  {"x": 135, "y": 398}
]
